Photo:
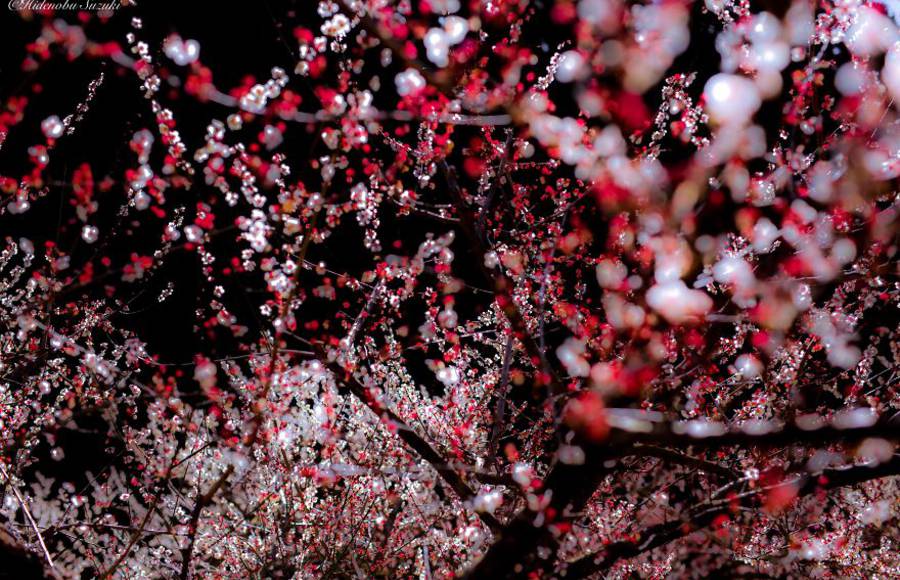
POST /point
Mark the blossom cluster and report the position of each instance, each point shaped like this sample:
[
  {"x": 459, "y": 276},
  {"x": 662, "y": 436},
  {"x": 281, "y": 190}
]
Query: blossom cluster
[{"x": 444, "y": 288}]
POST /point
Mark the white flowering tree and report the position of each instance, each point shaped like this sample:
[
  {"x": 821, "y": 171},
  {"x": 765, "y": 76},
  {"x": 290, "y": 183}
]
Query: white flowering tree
[{"x": 484, "y": 289}]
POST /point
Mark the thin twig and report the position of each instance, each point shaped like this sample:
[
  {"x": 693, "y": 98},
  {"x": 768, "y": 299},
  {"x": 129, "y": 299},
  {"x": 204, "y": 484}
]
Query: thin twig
[{"x": 28, "y": 517}]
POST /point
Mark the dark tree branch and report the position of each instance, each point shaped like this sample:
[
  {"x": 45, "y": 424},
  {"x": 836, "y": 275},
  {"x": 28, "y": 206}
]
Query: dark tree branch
[
  {"x": 573, "y": 485},
  {"x": 523, "y": 539},
  {"x": 704, "y": 514},
  {"x": 501, "y": 284},
  {"x": 202, "y": 501},
  {"x": 671, "y": 435},
  {"x": 151, "y": 509},
  {"x": 350, "y": 383},
  {"x": 500, "y": 405},
  {"x": 683, "y": 459}
]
